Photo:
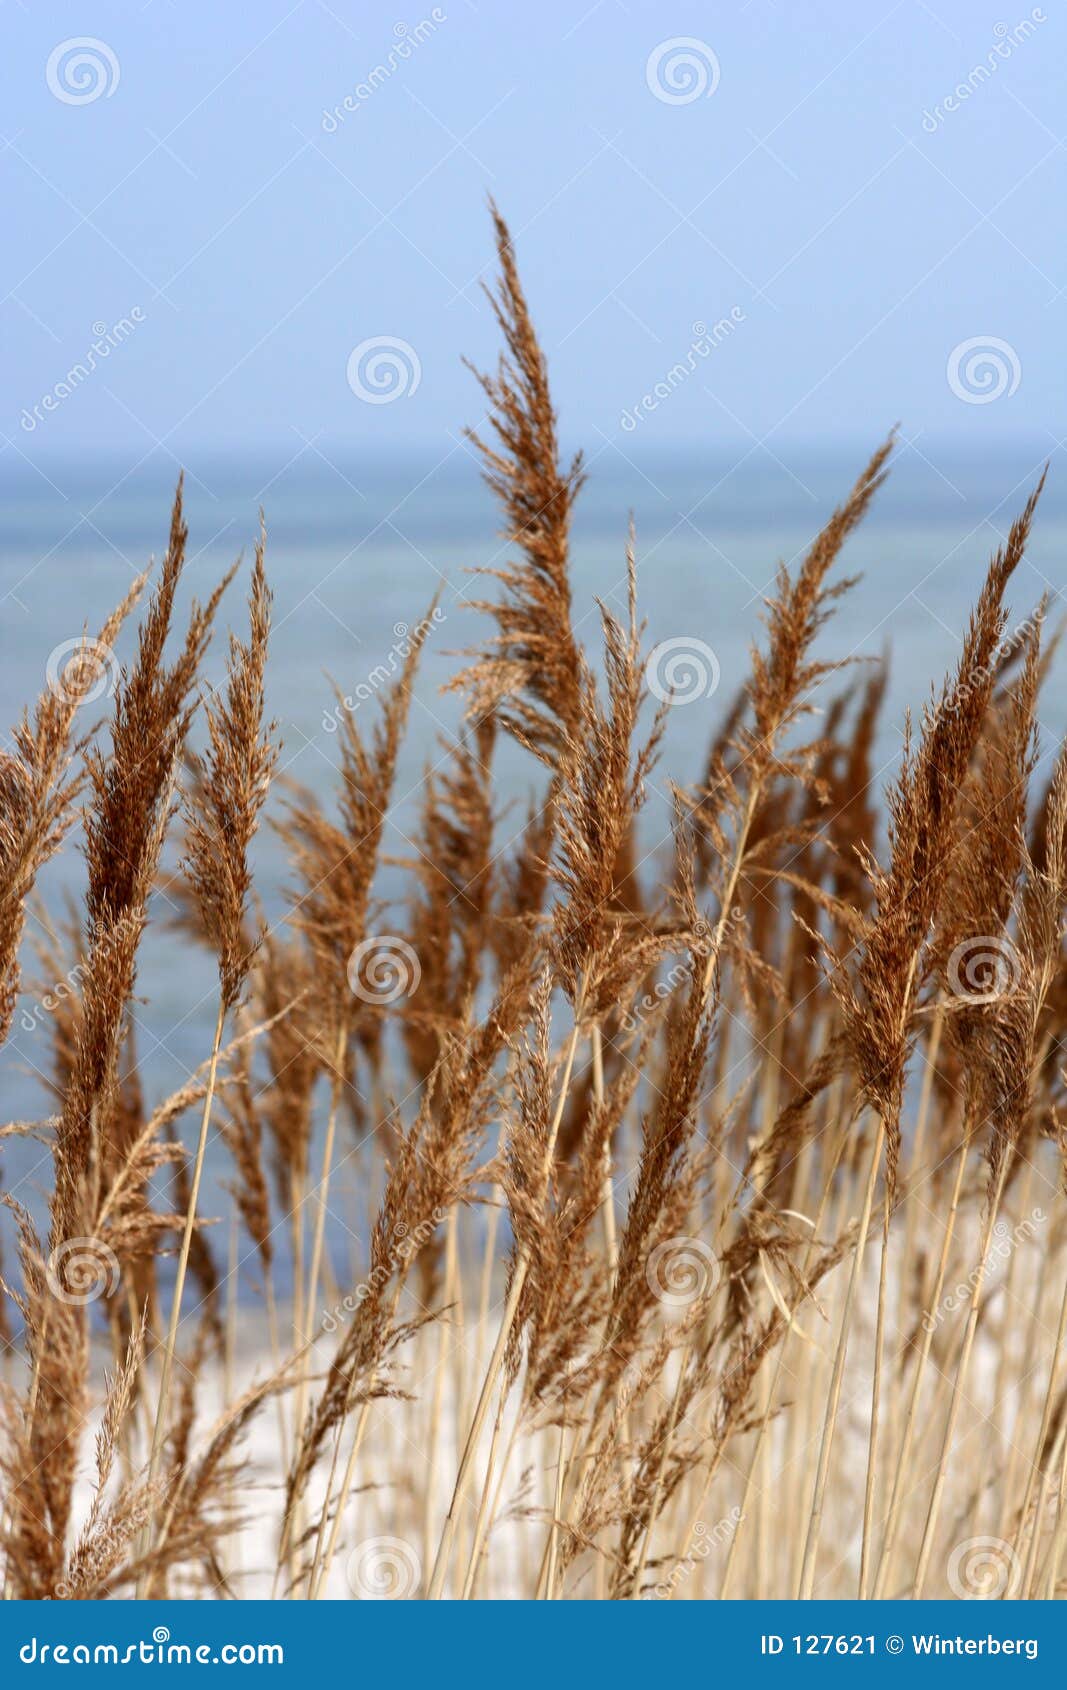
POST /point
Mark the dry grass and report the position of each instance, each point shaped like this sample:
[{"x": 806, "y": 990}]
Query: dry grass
[{"x": 717, "y": 1239}]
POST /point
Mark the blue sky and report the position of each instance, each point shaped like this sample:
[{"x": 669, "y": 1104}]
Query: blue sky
[{"x": 817, "y": 187}]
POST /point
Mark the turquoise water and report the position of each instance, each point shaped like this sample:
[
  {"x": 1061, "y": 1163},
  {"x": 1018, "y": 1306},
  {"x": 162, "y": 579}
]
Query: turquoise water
[{"x": 356, "y": 552}]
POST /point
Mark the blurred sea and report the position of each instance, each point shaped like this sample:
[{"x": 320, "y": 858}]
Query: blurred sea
[{"x": 356, "y": 552}]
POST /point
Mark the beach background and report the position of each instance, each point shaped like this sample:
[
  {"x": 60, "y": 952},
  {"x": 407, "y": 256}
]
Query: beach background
[
  {"x": 252, "y": 245},
  {"x": 356, "y": 551}
]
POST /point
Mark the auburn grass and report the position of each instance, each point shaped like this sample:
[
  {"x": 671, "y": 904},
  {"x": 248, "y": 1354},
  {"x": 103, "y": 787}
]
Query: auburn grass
[{"x": 689, "y": 1178}]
